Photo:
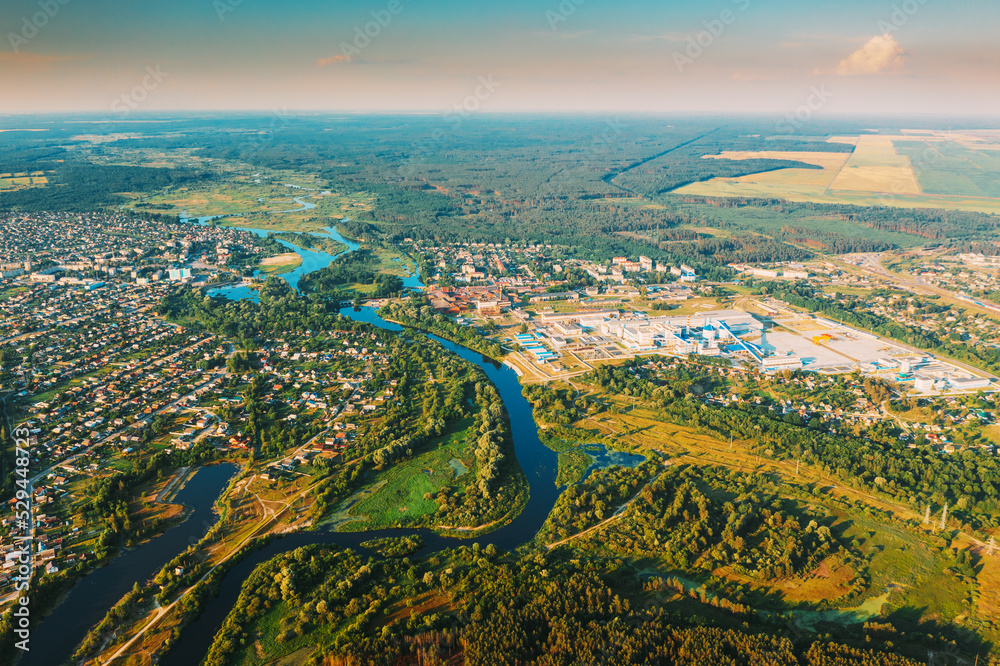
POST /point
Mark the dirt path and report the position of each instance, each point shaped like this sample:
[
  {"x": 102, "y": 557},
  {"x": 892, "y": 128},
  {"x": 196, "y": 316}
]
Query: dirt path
[
  {"x": 617, "y": 514},
  {"x": 256, "y": 532}
]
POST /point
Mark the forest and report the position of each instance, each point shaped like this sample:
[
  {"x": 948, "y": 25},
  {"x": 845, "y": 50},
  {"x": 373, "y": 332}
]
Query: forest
[
  {"x": 601, "y": 185},
  {"x": 84, "y": 187},
  {"x": 474, "y": 606},
  {"x": 877, "y": 462}
]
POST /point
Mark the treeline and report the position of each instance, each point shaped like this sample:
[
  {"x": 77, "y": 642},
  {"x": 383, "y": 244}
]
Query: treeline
[
  {"x": 395, "y": 546},
  {"x": 417, "y": 313},
  {"x": 493, "y": 429},
  {"x": 874, "y": 462},
  {"x": 308, "y": 242},
  {"x": 107, "y": 500},
  {"x": 540, "y": 609},
  {"x": 85, "y": 187},
  {"x": 742, "y": 248},
  {"x": 361, "y": 267},
  {"x": 683, "y": 168},
  {"x": 952, "y": 226},
  {"x": 436, "y": 389},
  {"x": 830, "y": 242}
]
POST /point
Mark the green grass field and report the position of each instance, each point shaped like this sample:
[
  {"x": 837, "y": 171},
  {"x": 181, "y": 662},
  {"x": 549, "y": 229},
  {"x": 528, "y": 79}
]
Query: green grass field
[
  {"x": 572, "y": 465},
  {"x": 908, "y": 562},
  {"x": 949, "y": 168},
  {"x": 881, "y": 172},
  {"x": 401, "y": 499},
  {"x": 258, "y": 204},
  {"x": 769, "y": 221}
]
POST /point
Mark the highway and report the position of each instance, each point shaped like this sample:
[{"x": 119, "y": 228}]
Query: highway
[{"x": 872, "y": 263}]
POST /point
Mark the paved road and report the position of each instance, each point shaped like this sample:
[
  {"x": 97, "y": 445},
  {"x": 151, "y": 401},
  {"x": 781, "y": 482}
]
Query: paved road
[{"x": 872, "y": 263}]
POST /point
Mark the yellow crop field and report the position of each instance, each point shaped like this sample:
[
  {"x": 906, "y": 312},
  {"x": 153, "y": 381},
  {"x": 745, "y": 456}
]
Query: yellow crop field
[
  {"x": 20, "y": 181},
  {"x": 821, "y": 159},
  {"x": 892, "y": 180},
  {"x": 802, "y": 182},
  {"x": 875, "y": 166},
  {"x": 875, "y": 173}
]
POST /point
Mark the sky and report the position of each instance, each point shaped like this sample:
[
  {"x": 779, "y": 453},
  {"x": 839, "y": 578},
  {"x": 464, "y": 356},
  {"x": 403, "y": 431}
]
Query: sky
[{"x": 779, "y": 57}]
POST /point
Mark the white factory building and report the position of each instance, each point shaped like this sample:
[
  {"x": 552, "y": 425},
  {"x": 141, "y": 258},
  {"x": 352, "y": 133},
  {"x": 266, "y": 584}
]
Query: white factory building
[{"x": 706, "y": 333}]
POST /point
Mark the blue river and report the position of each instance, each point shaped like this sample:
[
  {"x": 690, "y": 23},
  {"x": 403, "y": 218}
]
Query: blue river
[{"x": 90, "y": 600}]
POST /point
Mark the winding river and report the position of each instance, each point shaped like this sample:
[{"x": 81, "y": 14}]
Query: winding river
[
  {"x": 57, "y": 635},
  {"x": 539, "y": 463},
  {"x": 90, "y": 600}
]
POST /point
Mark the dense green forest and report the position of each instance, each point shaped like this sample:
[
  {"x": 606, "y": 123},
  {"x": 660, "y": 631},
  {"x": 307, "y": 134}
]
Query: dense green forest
[
  {"x": 310, "y": 242},
  {"x": 470, "y": 605},
  {"x": 697, "y": 518},
  {"x": 81, "y": 187},
  {"x": 571, "y": 182},
  {"x": 877, "y": 462}
]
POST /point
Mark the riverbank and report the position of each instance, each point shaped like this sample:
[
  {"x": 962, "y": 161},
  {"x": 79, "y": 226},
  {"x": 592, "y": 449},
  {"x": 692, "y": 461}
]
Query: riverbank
[
  {"x": 536, "y": 461},
  {"x": 407, "y": 315},
  {"x": 54, "y": 638},
  {"x": 282, "y": 263}
]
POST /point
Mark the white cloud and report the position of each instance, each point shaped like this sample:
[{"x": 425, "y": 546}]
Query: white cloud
[
  {"x": 880, "y": 54},
  {"x": 335, "y": 60}
]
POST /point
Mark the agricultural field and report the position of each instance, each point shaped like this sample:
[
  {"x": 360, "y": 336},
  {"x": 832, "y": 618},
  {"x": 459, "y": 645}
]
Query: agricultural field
[
  {"x": 830, "y": 165},
  {"x": 875, "y": 166},
  {"x": 940, "y": 170},
  {"x": 954, "y": 168},
  {"x": 12, "y": 180}
]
